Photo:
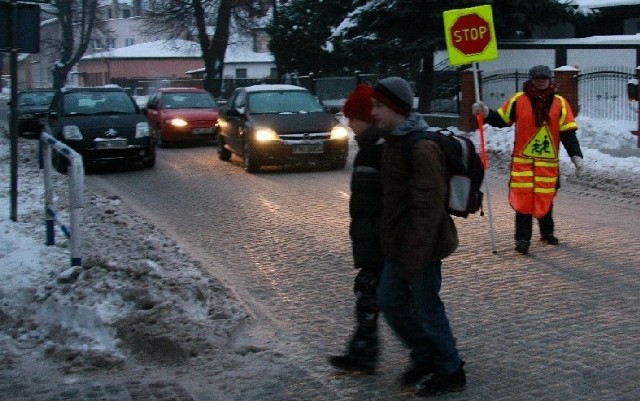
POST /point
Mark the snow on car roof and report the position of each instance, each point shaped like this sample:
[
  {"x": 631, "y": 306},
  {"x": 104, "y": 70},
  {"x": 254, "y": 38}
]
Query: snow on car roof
[{"x": 273, "y": 87}]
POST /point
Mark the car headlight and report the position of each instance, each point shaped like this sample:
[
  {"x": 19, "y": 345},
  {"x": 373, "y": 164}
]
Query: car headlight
[
  {"x": 142, "y": 130},
  {"x": 266, "y": 134},
  {"x": 339, "y": 132},
  {"x": 71, "y": 132},
  {"x": 178, "y": 122}
]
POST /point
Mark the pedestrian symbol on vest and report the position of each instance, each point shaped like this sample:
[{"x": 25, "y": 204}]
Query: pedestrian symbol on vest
[{"x": 541, "y": 145}]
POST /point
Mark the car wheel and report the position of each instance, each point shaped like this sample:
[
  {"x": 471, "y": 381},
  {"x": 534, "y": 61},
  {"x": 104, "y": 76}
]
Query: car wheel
[
  {"x": 224, "y": 154},
  {"x": 150, "y": 161},
  {"x": 250, "y": 164}
]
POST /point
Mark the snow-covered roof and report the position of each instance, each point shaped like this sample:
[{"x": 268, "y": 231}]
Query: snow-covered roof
[
  {"x": 178, "y": 48},
  {"x": 604, "y": 3},
  {"x": 175, "y": 48},
  {"x": 591, "y": 40},
  {"x": 274, "y": 87}
]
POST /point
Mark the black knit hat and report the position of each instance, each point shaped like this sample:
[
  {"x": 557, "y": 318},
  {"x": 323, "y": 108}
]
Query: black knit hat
[
  {"x": 395, "y": 93},
  {"x": 540, "y": 71}
]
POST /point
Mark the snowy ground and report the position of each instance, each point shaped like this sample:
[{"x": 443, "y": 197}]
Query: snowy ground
[{"x": 138, "y": 300}]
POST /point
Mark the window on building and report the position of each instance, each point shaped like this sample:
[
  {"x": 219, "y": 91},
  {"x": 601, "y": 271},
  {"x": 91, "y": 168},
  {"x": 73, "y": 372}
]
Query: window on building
[
  {"x": 96, "y": 44},
  {"x": 111, "y": 43},
  {"x": 274, "y": 73},
  {"x": 129, "y": 42},
  {"x": 241, "y": 72}
]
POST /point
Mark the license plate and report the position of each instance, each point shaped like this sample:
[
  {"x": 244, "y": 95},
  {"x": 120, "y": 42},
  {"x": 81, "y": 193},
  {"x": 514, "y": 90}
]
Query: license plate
[
  {"x": 307, "y": 148},
  {"x": 111, "y": 144},
  {"x": 203, "y": 131}
]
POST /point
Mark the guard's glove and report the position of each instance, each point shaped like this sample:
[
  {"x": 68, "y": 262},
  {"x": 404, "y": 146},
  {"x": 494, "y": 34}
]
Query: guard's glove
[
  {"x": 577, "y": 161},
  {"x": 478, "y": 108}
]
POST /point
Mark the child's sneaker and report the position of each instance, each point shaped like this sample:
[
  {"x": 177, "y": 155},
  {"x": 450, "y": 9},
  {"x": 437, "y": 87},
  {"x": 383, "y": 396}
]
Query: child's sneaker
[{"x": 440, "y": 384}]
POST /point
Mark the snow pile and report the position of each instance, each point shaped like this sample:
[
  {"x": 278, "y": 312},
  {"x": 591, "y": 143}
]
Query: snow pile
[{"x": 136, "y": 295}]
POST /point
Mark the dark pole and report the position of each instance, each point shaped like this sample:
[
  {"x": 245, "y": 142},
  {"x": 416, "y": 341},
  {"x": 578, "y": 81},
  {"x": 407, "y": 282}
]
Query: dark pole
[{"x": 13, "y": 124}]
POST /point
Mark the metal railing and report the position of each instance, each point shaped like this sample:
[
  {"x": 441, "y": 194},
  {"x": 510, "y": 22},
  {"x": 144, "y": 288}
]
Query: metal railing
[
  {"x": 602, "y": 93},
  {"x": 76, "y": 199},
  {"x": 499, "y": 85}
]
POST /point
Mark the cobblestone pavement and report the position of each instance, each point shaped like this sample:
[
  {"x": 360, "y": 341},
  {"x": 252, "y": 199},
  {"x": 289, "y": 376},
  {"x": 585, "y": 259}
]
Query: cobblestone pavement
[{"x": 559, "y": 324}]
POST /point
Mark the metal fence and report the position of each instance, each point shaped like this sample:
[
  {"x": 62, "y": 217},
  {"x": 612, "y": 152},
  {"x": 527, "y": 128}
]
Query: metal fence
[
  {"x": 499, "y": 85},
  {"x": 602, "y": 91}
]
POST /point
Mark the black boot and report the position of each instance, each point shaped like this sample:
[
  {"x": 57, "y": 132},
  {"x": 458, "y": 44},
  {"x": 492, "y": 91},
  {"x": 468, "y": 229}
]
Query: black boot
[
  {"x": 440, "y": 384},
  {"x": 361, "y": 357},
  {"x": 352, "y": 363}
]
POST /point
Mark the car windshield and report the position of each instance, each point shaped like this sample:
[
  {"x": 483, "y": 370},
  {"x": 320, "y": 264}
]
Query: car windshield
[
  {"x": 102, "y": 102},
  {"x": 284, "y": 102},
  {"x": 186, "y": 100},
  {"x": 35, "y": 98}
]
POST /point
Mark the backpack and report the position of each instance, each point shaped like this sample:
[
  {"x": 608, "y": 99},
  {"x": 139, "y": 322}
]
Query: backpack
[{"x": 464, "y": 169}]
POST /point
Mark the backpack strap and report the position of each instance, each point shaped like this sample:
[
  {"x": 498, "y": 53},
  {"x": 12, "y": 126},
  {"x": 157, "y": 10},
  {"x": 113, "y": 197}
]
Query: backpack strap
[{"x": 410, "y": 140}]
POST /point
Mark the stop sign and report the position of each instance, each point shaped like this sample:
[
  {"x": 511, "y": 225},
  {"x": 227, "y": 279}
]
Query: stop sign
[{"x": 470, "y": 34}]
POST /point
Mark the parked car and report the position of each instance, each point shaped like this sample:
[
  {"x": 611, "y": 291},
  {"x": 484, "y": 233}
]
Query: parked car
[
  {"x": 182, "y": 115},
  {"x": 31, "y": 111},
  {"x": 280, "y": 124},
  {"x": 103, "y": 124}
]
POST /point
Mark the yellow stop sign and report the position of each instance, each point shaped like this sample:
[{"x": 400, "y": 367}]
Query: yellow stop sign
[{"x": 470, "y": 35}]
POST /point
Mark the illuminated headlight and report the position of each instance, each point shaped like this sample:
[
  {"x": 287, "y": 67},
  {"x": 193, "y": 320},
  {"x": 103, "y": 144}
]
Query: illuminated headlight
[
  {"x": 178, "y": 122},
  {"x": 339, "y": 132},
  {"x": 142, "y": 130},
  {"x": 71, "y": 132},
  {"x": 266, "y": 134}
]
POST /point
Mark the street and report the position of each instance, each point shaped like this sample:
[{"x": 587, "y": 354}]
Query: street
[{"x": 560, "y": 323}]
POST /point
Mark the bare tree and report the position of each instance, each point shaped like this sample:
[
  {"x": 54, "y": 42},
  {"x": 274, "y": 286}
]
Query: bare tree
[
  {"x": 190, "y": 20},
  {"x": 77, "y": 20}
]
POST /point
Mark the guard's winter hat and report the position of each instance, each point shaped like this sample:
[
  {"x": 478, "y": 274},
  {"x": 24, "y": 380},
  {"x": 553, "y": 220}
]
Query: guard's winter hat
[
  {"x": 540, "y": 71},
  {"x": 395, "y": 93},
  {"x": 358, "y": 104}
]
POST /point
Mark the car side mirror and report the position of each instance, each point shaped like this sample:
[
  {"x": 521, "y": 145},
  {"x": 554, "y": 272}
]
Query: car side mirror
[{"x": 235, "y": 112}]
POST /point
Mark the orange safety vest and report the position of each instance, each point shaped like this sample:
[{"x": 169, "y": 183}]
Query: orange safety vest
[{"x": 535, "y": 159}]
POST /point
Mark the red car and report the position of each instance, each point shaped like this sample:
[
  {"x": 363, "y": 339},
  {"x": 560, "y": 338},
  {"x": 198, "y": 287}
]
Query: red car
[{"x": 182, "y": 115}]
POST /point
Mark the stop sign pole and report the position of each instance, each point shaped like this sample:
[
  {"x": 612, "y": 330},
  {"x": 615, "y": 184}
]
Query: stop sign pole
[{"x": 471, "y": 38}]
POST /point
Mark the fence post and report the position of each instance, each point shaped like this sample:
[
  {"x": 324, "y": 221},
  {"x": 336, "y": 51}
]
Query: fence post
[
  {"x": 567, "y": 82},
  {"x": 637, "y": 132},
  {"x": 76, "y": 199},
  {"x": 468, "y": 122}
]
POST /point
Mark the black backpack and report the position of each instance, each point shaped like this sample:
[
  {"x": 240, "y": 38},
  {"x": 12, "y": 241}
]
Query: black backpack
[{"x": 464, "y": 167}]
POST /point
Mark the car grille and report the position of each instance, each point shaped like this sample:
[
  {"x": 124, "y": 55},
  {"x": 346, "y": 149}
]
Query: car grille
[{"x": 305, "y": 136}]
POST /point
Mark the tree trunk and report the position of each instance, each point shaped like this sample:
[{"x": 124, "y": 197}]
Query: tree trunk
[{"x": 214, "y": 55}]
